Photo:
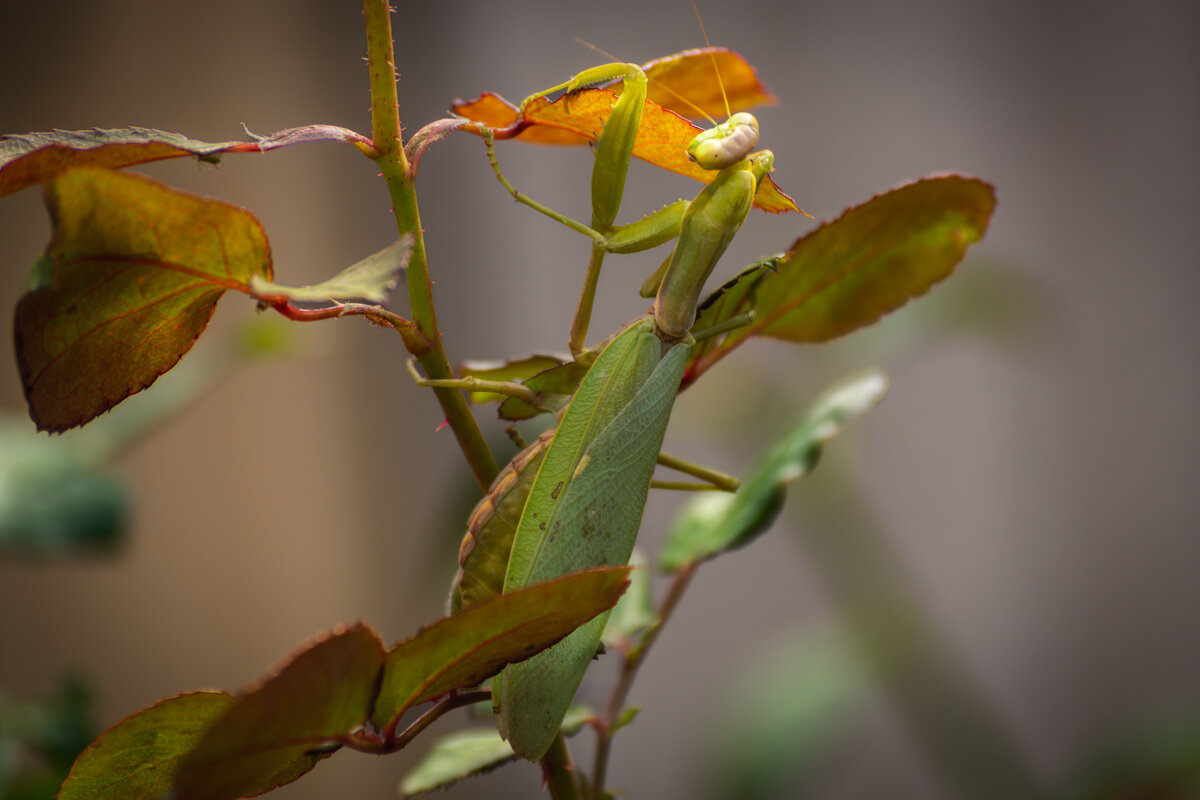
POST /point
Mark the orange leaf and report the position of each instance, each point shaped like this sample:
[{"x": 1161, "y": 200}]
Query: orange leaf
[
  {"x": 500, "y": 115},
  {"x": 663, "y": 136},
  {"x": 690, "y": 75}
]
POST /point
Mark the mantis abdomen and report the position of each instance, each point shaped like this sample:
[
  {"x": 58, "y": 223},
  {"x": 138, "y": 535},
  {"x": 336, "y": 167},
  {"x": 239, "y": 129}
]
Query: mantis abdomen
[{"x": 483, "y": 554}]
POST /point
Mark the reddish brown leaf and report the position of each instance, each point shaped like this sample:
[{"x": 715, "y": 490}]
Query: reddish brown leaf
[
  {"x": 136, "y": 758},
  {"x": 475, "y": 644},
  {"x": 278, "y": 730},
  {"x": 32, "y": 158},
  {"x": 430, "y": 134},
  {"x": 852, "y": 270},
  {"x": 130, "y": 279}
]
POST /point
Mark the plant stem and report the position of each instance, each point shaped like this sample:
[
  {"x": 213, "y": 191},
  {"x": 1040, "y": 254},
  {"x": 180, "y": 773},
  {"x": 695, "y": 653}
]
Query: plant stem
[
  {"x": 559, "y": 771},
  {"x": 392, "y": 743},
  {"x": 629, "y": 668},
  {"x": 385, "y": 137}
]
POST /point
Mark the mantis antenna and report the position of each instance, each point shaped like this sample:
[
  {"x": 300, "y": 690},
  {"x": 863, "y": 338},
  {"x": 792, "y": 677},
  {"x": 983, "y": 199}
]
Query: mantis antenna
[{"x": 713, "y": 56}]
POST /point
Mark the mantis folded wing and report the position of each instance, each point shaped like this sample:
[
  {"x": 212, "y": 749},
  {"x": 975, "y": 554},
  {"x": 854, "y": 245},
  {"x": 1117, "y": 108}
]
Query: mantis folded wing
[{"x": 584, "y": 510}]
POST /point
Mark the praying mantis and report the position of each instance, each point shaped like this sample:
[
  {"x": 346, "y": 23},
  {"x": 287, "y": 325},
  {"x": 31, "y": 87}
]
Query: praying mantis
[{"x": 574, "y": 499}]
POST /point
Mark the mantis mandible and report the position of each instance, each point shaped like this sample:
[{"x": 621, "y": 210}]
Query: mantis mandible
[{"x": 586, "y": 498}]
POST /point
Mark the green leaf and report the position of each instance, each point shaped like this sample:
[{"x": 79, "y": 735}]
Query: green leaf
[
  {"x": 849, "y": 272},
  {"x": 472, "y": 752},
  {"x": 32, "y": 158},
  {"x": 278, "y": 731},
  {"x": 475, "y": 644},
  {"x": 137, "y": 757},
  {"x": 634, "y": 612},
  {"x": 457, "y": 756},
  {"x": 129, "y": 280},
  {"x": 626, "y": 717},
  {"x": 371, "y": 279},
  {"x": 715, "y": 523}
]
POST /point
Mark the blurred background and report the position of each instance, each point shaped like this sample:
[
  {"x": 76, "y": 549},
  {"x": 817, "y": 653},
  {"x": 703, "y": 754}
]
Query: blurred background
[{"x": 985, "y": 589}]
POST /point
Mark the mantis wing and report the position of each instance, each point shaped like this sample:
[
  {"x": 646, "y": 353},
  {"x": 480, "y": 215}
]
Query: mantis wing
[{"x": 593, "y": 519}]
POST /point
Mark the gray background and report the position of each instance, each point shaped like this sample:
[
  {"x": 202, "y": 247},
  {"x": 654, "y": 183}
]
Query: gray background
[{"x": 1035, "y": 478}]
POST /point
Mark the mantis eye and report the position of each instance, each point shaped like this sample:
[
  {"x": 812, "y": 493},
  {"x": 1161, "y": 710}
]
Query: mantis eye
[{"x": 726, "y": 144}]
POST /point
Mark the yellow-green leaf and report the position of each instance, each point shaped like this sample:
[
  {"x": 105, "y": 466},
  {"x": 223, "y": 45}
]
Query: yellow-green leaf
[
  {"x": 715, "y": 523},
  {"x": 371, "y": 279},
  {"x": 470, "y": 752}
]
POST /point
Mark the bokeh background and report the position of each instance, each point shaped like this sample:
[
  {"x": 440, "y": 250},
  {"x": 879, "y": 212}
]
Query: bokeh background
[{"x": 1017, "y": 521}]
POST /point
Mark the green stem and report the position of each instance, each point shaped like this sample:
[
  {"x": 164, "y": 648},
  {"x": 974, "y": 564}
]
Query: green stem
[
  {"x": 559, "y": 771},
  {"x": 385, "y": 136}
]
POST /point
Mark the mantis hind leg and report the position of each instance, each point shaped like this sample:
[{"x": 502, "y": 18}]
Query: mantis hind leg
[{"x": 506, "y": 388}]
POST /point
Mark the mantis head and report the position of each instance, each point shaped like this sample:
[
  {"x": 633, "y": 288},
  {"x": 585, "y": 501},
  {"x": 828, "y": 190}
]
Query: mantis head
[{"x": 725, "y": 144}]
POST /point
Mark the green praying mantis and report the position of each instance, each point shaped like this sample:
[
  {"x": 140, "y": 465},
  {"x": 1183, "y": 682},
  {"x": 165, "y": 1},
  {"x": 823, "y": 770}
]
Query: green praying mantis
[{"x": 574, "y": 499}]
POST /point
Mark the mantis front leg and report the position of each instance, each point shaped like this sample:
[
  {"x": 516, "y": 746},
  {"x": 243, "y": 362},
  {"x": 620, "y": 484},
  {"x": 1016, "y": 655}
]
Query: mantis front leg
[{"x": 614, "y": 148}]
